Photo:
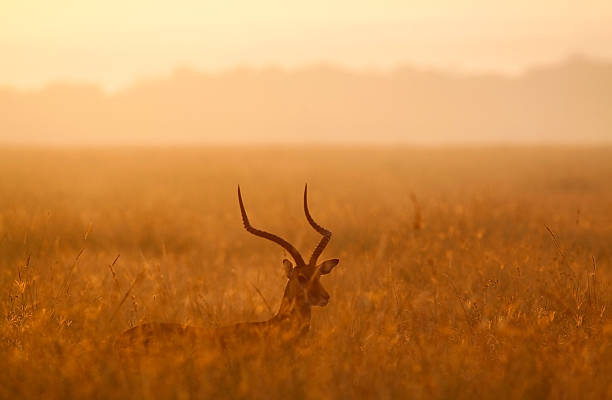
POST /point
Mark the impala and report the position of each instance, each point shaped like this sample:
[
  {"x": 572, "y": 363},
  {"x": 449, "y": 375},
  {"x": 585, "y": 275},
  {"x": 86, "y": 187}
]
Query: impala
[{"x": 302, "y": 291}]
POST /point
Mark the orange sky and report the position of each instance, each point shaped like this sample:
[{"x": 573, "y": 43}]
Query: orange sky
[{"x": 113, "y": 42}]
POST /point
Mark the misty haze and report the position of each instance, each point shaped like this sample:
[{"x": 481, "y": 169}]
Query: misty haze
[
  {"x": 305, "y": 200},
  {"x": 568, "y": 102}
]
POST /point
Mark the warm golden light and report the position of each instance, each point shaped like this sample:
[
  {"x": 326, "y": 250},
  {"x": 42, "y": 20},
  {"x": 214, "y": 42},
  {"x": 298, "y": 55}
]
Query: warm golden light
[
  {"x": 114, "y": 42},
  {"x": 452, "y": 240}
]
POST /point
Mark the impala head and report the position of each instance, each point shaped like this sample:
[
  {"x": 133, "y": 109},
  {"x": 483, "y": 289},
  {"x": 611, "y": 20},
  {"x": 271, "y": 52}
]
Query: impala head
[{"x": 304, "y": 286}]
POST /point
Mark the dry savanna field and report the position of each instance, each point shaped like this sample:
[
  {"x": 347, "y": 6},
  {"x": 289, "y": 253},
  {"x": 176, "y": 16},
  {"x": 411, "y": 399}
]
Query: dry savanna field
[{"x": 464, "y": 272}]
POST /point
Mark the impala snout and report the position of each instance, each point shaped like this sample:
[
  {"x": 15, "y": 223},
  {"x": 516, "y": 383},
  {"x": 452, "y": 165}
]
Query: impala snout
[
  {"x": 320, "y": 300},
  {"x": 317, "y": 295},
  {"x": 324, "y": 299}
]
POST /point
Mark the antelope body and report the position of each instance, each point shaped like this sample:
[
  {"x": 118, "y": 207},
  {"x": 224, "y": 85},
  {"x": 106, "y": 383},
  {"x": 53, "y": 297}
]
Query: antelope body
[{"x": 302, "y": 291}]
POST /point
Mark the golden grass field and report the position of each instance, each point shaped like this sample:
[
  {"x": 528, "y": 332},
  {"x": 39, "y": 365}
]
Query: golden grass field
[{"x": 496, "y": 285}]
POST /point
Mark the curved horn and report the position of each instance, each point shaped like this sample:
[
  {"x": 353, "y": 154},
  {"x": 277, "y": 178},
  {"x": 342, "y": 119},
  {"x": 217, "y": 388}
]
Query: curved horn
[
  {"x": 326, "y": 234},
  {"x": 297, "y": 257}
]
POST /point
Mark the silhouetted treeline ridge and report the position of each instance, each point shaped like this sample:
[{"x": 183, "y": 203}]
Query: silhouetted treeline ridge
[{"x": 567, "y": 102}]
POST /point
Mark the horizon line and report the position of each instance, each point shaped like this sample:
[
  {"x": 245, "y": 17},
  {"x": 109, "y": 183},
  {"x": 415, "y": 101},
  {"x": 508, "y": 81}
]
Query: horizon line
[{"x": 455, "y": 72}]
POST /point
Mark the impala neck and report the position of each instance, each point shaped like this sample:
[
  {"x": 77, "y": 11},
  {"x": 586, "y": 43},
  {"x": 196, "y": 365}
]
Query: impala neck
[{"x": 295, "y": 310}]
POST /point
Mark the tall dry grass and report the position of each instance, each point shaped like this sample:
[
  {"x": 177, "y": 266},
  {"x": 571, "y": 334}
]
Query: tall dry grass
[{"x": 496, "y": 285}]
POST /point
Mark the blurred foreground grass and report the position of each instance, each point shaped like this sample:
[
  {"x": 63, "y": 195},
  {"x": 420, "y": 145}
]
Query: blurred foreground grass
[{"x": 464, "y": 273}]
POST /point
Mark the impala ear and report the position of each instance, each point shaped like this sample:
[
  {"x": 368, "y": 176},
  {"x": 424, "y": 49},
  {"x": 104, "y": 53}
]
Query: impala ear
[
  {"x": 288, "y": 268},
  {"x": 326, "y": 266}
]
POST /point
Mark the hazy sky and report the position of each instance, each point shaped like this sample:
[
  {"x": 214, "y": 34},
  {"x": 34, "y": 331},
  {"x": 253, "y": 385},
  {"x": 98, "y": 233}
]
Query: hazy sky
[{"x": 113, "y": 42}]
